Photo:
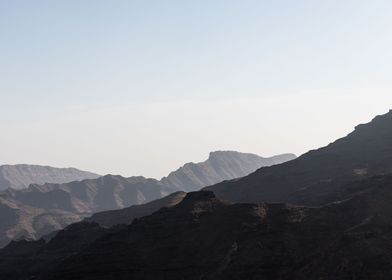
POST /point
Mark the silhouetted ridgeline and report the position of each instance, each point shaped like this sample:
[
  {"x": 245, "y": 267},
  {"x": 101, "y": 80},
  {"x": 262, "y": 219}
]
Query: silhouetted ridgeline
[
  {"x": 199, "y": 236},
  {"x": 20, "y": 176},
  {"x": 41, "y": 209}
]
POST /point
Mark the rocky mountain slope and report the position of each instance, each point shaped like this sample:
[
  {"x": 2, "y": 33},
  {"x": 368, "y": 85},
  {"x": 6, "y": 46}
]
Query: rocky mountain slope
[
  {"x": 40, "y": 209},
  {"x": 306, "y": 180},
  {"x": 22, "y": 175},
  {"x": 127, "y": 215},
  {"x": 205, "y": 238},
  {"x": 220, "y": 166}
]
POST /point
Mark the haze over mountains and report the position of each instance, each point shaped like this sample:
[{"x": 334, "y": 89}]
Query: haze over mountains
[
  {"x": 40, "y": 209},
  {"x": 20, "y": 176},
  {"x": 220, "y": 166},
  {"x": 347, "y": 236}
]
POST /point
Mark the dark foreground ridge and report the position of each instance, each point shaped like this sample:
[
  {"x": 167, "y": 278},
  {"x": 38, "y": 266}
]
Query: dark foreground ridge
[
  {"x": 205, "y": 238},
  {"x": 127, "y": 215},
  {"x": 364, "y": 153}
]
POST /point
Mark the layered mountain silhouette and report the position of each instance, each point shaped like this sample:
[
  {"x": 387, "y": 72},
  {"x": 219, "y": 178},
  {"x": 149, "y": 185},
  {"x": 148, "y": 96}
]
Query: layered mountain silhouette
[
  {"x": 307, "y": 180},
  {"x": 220, "y": 166},
  {"x": 40, "y": 209},
  {"x": 203, "y": 237},
  {"x": 20, "y": 176},
  {"x": 243, "y": 228},
  {"x": 127, "y": 215}
]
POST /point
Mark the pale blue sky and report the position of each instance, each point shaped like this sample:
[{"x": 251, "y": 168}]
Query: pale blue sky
[{"x": 61, "y": 60}]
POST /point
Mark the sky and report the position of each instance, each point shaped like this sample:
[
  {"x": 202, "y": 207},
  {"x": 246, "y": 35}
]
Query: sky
[{"x": 141, "y": 87}]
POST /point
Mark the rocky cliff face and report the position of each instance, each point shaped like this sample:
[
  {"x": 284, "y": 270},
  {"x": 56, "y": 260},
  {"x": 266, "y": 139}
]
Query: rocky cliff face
[
  {"x": 306, "y": 180},
  {"x": 205, "y": 238},
  {"x": 22, "y": 175}
]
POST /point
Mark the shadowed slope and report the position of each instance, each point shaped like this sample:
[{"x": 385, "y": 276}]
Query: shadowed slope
[
  {"x": 127, "y": 215},
  {"x": 365, "y": 152},
  {"x": 205, "y": 238}
]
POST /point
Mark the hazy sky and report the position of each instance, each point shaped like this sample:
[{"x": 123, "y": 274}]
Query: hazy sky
[{"x": 141, "y": 87}]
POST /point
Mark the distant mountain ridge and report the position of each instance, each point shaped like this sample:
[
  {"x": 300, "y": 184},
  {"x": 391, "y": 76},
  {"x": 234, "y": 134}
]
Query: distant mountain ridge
[
  {"x": 220, "y": 166},
  {"x": 20, "y": 176},
  {"x": 41, "y": 209}
]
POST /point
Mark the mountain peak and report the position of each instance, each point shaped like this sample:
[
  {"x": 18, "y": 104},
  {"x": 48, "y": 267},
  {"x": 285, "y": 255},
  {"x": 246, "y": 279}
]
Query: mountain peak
[
  {"x": 221, "y": 153},
  {"x": 220, "y": 166}
]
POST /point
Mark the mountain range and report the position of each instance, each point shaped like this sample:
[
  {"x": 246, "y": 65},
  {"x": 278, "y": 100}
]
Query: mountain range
[
  {"x": 20, "y": 176},
  {"x": 40, "y": 209},
  {"x": 325, "y": 215},
  {"x": 203, "y": 237}
]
